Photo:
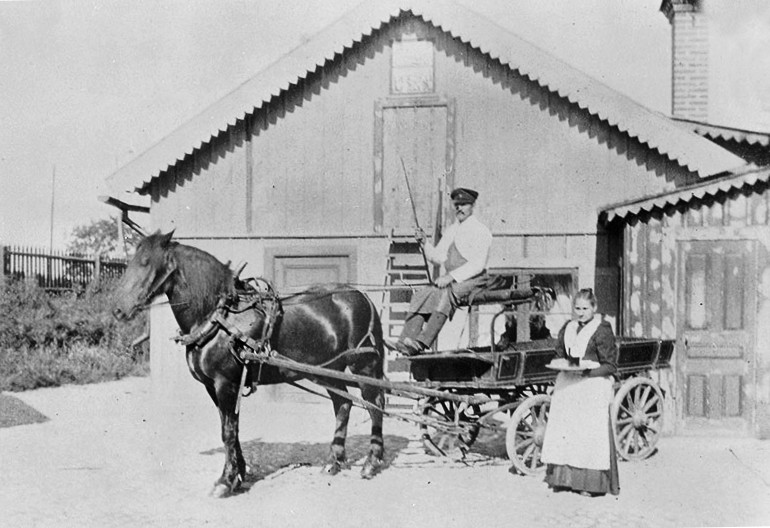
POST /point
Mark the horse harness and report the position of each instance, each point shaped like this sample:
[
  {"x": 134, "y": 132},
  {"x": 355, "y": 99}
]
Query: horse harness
[{"x": 257, "y": 295}]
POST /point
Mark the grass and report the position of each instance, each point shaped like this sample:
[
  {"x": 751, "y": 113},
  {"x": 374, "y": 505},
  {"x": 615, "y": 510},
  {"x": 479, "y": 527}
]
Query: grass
[
  {"x": 28, "y": 368},
  {"x": 52, "y": 340}
]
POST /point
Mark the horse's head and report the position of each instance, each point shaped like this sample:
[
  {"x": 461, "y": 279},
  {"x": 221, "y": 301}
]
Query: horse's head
[{"x": 147, "y": 275}]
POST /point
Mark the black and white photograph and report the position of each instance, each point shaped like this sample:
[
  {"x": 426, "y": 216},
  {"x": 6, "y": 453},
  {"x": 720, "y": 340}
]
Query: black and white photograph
[{"x": 385, "y": 263}]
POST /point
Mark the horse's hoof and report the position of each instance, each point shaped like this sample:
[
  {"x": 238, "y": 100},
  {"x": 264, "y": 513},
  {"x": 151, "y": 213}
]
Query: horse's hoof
[
  {"x": 371, "y": 468},
  {"x": 332, "y": 468},
  {"x": 220, "y": 491}
]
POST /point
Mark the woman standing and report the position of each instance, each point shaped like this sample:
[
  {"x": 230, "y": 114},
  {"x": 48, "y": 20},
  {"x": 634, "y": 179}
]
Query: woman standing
[{"x": 579, "y": 447}]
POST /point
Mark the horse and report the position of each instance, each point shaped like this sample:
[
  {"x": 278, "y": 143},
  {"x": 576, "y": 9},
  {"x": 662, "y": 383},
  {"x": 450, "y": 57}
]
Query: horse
[{"x": 327, "y": 325}]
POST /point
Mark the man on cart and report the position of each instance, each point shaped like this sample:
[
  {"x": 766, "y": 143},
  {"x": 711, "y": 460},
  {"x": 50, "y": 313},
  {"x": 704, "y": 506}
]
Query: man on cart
[{"x": 463, "y": 252}]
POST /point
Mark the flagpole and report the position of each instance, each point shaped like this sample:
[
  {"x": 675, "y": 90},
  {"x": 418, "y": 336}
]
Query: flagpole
[{"x": 53, "y": 194}]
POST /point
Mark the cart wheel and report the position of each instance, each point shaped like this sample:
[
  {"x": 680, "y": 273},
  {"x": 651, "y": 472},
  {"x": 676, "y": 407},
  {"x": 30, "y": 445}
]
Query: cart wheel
[
  {"x": 524, "y": 438},
  {"x": 533, "y": 390},
  {"x": 444, "y": 435},
  {"x": 637, "y": 418}
]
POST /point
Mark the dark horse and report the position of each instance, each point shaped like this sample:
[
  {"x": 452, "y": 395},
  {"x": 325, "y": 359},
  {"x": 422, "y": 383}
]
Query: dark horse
[{"x": 323, "y": 326}]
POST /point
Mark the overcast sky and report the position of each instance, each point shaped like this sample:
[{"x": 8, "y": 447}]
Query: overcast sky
[{"x": 87, "y": 85}]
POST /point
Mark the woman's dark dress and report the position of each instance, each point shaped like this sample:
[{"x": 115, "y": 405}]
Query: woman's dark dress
[{"x": 601, "y": 348}]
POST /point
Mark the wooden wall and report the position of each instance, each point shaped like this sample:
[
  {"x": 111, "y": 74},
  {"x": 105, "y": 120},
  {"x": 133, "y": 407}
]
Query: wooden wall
[
  {"x": 304, "y": 166},
  {"x": 652, "y": 276}
]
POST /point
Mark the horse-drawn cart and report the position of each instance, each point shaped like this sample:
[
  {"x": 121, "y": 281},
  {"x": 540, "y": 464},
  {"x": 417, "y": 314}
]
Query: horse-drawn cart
[
  {"x": 517, "y": 383},
  {"x": 239, "y": 334},
  {"x": 504, "y": 396}
]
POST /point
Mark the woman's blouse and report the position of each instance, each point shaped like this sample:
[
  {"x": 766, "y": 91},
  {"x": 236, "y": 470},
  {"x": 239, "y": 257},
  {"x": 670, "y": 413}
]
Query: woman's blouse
[{"x": 601, "y": 347}]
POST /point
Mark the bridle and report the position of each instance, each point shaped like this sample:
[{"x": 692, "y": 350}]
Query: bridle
[{"x": 157, "y": 285}]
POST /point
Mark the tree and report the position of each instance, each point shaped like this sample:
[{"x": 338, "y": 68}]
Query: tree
[{"x": 101, "y": 236}]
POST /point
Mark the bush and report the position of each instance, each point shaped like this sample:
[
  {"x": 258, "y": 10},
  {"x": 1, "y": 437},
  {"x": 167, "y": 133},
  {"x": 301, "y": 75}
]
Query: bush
[{"x": 48, "y": 340}]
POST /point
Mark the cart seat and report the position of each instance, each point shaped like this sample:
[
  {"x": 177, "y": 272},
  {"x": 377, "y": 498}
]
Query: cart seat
[
  {"x": 503, "y": 289},
  {"x": 502, "y": 296}
]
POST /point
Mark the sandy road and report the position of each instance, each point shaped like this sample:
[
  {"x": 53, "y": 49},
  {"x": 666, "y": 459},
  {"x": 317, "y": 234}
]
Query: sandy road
[{"x": 112, "y": 456}]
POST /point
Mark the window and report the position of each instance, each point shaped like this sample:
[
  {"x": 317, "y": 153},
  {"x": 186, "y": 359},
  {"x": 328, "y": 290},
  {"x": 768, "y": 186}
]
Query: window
[{"x": 412, "y": 66}]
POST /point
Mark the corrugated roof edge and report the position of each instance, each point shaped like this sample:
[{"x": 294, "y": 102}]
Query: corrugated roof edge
[
  {"x": 741, "y": 135},
  {"x": 653, "y": 129},
  {"x": 747, "y": 177}
]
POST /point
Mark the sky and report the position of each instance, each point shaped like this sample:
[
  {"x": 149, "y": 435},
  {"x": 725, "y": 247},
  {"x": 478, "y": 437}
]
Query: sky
[{"x": 88, "y": 85}]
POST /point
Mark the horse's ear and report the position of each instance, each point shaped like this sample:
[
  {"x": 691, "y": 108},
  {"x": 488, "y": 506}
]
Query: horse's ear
[{"x": 165, "y": 239}]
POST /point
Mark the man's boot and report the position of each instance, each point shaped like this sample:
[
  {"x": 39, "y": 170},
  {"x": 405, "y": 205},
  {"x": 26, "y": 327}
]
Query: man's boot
[{"x": 432, "y": 328}]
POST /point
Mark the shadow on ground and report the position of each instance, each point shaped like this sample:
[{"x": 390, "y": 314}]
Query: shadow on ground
[
  {"x": 13, "y": 412},
  {"x": 266, "y": 458}
]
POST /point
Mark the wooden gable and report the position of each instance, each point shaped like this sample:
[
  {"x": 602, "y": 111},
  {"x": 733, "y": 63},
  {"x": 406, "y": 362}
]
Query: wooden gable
[{"x": 328, "y": 156}]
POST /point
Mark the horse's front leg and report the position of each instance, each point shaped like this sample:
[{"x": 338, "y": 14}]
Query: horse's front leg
[{"x": 234, "y": 470}]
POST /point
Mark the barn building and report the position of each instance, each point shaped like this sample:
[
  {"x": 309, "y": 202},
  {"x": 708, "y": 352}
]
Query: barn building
[{"x": 300, "y": 172}]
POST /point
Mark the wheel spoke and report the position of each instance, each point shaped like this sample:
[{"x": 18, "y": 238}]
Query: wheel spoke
[
  {"x": 524, "y": 444},
  {"x": 528, "y": 452},
  {"x": 653, "y": 426},
  {"x": 526, "y": 433},
  {"x": 624, "y": 432},
  {"x": 641, "y": 394},
  {"x": 644, "y": 442},
  {"x": 652, "y": 401},
  {"x": 624, "y": 421},
  {"x": 526, "y": 426},
  {"x": 535, "y": 460},
  {"x": 623, "y": 407},
  {"x": 631, "y": 442},
  {"x": 627, "y": 441}
]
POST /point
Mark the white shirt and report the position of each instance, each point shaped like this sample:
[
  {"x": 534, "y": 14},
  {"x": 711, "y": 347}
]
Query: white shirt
[{"x": 472, "y": 240}]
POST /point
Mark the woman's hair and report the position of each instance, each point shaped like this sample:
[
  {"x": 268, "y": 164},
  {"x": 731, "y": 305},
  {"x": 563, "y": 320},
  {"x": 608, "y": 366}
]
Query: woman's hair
[{"x": 586, "y": 294}]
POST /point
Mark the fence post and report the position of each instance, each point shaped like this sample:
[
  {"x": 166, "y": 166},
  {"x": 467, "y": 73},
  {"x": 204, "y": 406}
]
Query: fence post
[
  {"x": 97, "y": 266},
  {"x": 2, "y": 266}
]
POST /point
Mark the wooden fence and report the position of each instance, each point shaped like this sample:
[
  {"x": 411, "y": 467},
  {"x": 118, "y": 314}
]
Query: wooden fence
[{"x": 56, "y": 271}]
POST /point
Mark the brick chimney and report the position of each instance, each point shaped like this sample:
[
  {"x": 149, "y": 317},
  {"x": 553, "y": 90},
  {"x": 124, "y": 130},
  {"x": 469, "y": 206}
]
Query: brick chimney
[{"x": 690, "y": 58}]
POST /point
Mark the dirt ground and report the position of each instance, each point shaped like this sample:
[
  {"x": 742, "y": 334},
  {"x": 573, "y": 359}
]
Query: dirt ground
[{"x": 111, "y": 455}]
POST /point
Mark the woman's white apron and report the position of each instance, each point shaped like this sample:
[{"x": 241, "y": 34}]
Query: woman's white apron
[{"x": 577, "y": 433}]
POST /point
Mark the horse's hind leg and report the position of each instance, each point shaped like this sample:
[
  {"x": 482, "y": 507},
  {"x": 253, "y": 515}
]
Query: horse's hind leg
[
  {"x": 342, "y": 406},
  {"x": 374, "y": 461}
]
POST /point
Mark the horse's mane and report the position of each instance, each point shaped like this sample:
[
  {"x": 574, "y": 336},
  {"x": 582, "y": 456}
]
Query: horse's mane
[{"x": 205, "y": 277}]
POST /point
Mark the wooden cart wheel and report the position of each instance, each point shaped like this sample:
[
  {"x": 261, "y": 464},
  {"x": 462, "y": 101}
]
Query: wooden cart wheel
[
  {"x": 528, "y": 391},
  {"x": 637, "y": 418},
  {"x": 453, "y": 428},
  {"x": 524, "y": 438}
]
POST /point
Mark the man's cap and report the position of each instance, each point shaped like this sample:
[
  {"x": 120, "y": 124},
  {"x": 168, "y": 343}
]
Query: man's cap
[{"x": 464, "y": 196}]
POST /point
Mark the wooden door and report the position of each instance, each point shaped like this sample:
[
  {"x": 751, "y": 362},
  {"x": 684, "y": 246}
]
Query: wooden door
[
  {"x": 418, "y": 136},
  {"x": 715, "y": 352}
]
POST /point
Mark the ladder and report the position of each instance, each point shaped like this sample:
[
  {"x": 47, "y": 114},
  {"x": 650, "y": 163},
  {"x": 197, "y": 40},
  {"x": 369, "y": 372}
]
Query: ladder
[{"x": 405, "y": 272}]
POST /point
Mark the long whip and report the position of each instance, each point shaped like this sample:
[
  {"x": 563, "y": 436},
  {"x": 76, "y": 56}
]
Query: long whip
[{"x": 416, "y": 220}]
